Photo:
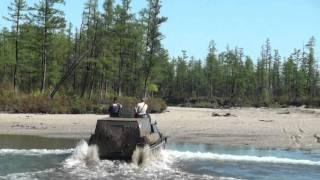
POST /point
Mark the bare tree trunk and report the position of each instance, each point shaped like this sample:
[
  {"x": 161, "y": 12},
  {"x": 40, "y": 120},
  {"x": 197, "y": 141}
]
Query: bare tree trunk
[
  {"x": 4, "y": 72},
  {"x": 85, "y": 80},
  {"x": 105, "y": 89},
  {"x": 211, "y": 89},
  {"x": 145, "y": 88},
  {"x": 73, "y": 66},
  {"x": 92, "y": 81},
  {"x": 74, "y": 84},
  {"x": 120, "y": 70},
  {"x": 17, "y": 51},
  {"x": 101, "y": 85},
  {"x": 45, "y": 49}
]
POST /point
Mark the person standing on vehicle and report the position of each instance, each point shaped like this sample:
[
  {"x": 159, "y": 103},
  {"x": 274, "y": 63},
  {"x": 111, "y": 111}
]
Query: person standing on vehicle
[
  {"x": 115, "y": 108},
  {"x": 141, "y": 109}
]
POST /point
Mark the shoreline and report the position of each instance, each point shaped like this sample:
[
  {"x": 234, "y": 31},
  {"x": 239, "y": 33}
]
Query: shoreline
[
  {"x": 65, "y": 142},
  {"x": 267, "y": 128}
]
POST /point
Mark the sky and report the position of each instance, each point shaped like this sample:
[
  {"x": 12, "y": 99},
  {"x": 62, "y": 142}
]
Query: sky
[{"x": 246, "y": 24}]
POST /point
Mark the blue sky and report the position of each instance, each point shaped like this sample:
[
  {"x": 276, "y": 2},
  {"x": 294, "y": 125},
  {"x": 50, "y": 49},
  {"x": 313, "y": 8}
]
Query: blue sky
[{"x": 243, "y": 23}]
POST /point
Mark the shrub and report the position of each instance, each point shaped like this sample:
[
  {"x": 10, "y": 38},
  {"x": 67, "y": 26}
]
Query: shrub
[
  {"x": 35, "y": 103},
  {"x": 156, "y": 105}
]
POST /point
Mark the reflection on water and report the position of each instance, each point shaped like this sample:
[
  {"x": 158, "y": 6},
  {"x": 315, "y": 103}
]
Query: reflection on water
[{"x": 178, "y": 161}]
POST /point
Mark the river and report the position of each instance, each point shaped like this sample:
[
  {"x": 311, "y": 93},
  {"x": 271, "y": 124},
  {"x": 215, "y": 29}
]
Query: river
[{"x": 30, "y": 157}]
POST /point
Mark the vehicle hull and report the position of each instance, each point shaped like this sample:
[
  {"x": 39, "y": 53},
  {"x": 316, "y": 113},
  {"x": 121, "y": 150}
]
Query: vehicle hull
[{"x": 117, "y": 138}]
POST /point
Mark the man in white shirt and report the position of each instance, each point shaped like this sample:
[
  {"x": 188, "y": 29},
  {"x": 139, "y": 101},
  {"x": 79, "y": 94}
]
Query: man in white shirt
[{"x": 141, "y": 109}]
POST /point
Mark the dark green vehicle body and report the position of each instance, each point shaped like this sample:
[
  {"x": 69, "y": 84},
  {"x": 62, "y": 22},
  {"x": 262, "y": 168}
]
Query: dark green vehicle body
[{"x": 117, "y": 138}]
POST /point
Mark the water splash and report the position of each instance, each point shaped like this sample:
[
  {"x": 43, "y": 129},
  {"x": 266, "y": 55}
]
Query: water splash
[
  {"x": 83, "y": 163},
  {"x": 83, "y": 154},
  {"x": 144, "y": 165},
  {"x": 141, "y": 155}
]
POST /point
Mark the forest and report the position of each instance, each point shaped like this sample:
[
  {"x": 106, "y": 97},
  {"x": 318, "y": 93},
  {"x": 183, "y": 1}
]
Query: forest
[{"x": 115, "y": 52}]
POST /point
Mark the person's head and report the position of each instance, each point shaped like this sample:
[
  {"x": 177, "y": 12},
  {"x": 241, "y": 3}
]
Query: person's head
[
  {"x": 143, "y": 99},
  {"x": 115, "y": 99}
]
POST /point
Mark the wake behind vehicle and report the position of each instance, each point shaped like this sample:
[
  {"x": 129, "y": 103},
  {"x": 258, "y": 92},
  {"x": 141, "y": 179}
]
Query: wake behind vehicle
[{"x": 117, "y": 137}]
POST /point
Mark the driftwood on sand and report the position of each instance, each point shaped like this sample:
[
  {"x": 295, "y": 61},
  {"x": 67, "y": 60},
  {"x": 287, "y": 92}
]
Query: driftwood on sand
[
  {"x": 214, "y": 114},
  {"x": 262, "y": 120}
]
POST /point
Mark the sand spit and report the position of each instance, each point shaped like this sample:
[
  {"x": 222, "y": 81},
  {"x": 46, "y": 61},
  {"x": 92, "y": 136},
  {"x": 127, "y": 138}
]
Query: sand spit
[{"x": 294, "y": 128}]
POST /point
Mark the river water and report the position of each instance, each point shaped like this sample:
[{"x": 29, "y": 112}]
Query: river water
[{"x": 28, "y": 157}]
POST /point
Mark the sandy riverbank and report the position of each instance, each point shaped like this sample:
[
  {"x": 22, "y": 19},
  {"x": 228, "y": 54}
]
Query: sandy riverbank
[{"x": 259, "y": 127}]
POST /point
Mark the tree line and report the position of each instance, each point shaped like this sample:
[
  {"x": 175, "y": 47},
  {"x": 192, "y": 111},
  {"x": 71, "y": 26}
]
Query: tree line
[
  {"x": 233, "y": 79},
  {"x": 116, "y": 52}
]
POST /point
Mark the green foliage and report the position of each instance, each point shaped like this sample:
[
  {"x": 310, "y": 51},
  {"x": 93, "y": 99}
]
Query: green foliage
[
  {"x": 38, "y": 103},
  {"x": 118, "y": 52},
  {"x": 156, "y": 105},
  {"x": 235, "y": 80}
]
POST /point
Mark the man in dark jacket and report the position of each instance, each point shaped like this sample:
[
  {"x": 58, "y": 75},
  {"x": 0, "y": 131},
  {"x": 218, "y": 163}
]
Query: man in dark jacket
[{"x": 115, "y": 108}]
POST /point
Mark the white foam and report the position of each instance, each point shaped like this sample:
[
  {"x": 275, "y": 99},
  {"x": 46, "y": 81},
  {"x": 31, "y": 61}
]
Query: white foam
[
  {"x": 83, "y": 154},
  {"x": 141, "y": 156},
  {"x": 177, "y": 155},
  {"x": 34, "y": 152}
]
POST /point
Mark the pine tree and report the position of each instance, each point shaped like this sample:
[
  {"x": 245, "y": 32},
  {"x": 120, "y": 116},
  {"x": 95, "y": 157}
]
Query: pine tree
[
  {"x": 197, "y": 78},
  {"x": 289, "y": 68},
  {"x": 6, "y": 51},
  {"x": 181, "y": 75},
  {"x": 153, "y": 37},
  {"x": 212, "y": 69},
  {"x": 311, "y": 68},
  {"x": 108, "y": 13},
  {"x": 249, "y": 80},
  {"x": 49, "y": 19},
  {"x": 89, "y": 41},
  {"x": 268, "y": 59},
  {"x": 122, "y": 19},
  {"x": 275, "y": 76},
  {"x": 263, "y": 77},
  {"x": 17, "y": 13}
]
